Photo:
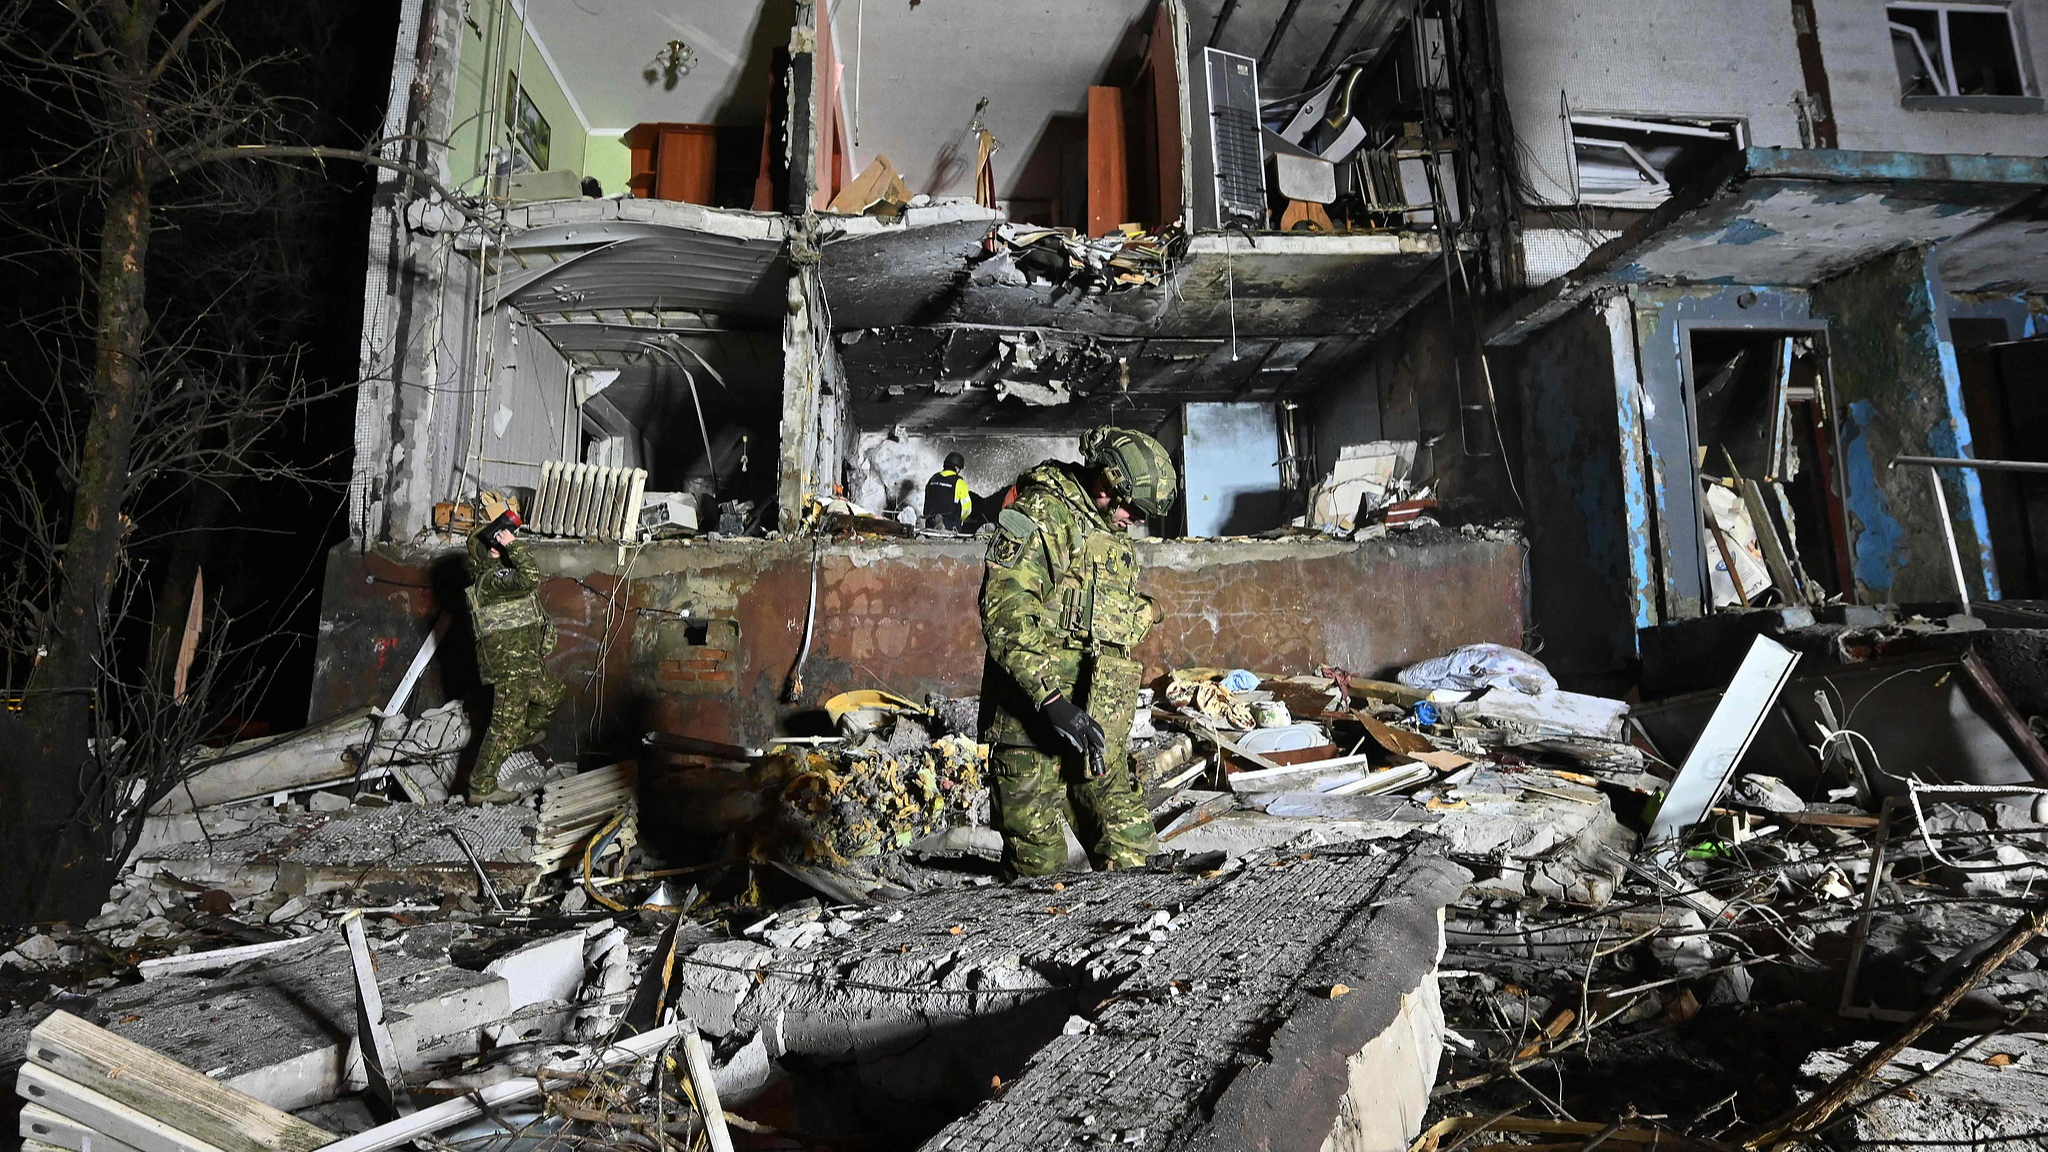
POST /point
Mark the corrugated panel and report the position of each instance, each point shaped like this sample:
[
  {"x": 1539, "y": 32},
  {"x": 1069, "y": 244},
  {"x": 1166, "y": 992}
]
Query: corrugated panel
[
  {"x": 573, "y": 810},
  {"x": 675, "y": 270}
]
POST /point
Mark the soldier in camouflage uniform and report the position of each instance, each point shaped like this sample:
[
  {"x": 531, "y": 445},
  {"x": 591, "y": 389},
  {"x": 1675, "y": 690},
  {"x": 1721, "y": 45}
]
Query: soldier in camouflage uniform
[
  {"x": 1061, "y": 612},
  {"x": 514, "y": 634}
]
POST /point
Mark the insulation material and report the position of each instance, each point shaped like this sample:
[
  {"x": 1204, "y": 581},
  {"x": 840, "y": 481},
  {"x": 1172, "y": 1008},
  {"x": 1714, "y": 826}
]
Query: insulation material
[
  {"x": 1201, "y": 691},
  {"x": 839, "y": 806},
  {"x": 1736, "y": 542},
  {"x": 1365, "y": 477}
]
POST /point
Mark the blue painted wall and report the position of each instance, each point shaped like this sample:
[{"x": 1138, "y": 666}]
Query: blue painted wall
[
  {"x": 1897, "y": 391},
  {"x": 1579, "y": 522},
  {"x": 1663, "y": 317}
]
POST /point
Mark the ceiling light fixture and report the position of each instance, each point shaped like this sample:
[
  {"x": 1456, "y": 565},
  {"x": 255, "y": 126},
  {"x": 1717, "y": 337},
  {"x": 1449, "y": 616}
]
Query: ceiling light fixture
[{"x": 671, "y": 64}]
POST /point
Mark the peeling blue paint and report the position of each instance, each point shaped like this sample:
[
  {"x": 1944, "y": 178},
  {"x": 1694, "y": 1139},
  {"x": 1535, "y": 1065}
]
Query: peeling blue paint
[
  {"x": 1745, "y": 232},
  {"x": 1959, "y": 439},
  {"x": 1635, "y": 485},
  {"x": 1880, "y": 538},
  {"x": 1633, "y": 274},
  {"x": 1849, "y": 164}
]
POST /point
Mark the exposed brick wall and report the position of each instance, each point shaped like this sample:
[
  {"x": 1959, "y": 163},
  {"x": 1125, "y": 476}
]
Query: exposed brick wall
[{"x": 702, "y": 637}]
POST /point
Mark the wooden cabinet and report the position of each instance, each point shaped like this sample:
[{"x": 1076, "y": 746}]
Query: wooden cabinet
[{"x": 674, "y": 161}]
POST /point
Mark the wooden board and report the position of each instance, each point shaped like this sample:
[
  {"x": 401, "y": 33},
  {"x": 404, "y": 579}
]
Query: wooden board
[
  {"x": 2017, "y": 732},
  {"x": 1772, "y": 544},
  {"x": 1281, "y": 779},
  {"x": 40, "y": 1125},
  {"x": 1386, "y": 691},
  {"x": 104, "y": 1114},
  {"x": 158, "y": 967},
  {"x": 1108, "y": 162},
  {"x": 96, "y": 1059}
]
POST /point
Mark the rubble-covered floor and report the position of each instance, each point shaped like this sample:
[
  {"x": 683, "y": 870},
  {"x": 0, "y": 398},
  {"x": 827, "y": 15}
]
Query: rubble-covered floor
[{"x": 1440, "y": 928}]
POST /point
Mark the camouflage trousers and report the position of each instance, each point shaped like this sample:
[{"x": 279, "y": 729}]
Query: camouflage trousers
[
  {"x": 520, "y": 707},
  {"x": 1034, "y": 789}
]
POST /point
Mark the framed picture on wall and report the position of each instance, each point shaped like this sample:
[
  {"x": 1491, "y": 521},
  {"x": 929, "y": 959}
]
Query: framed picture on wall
[{"x": 529, "y": 128}]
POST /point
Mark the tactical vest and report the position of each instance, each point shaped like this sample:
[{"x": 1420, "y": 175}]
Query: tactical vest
[
  {"x": 1098, "y": 595},
  {"x": 495, "y": 617},
  {"x": 513, "y": 635}
]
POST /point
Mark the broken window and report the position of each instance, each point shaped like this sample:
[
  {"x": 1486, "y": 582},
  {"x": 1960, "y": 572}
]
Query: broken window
[
  {"x": 1956, "y": 51},
  {"x": 1635, "y": 161}
]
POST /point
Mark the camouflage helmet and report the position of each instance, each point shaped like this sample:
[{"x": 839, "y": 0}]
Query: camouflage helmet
[{"x": 1137, "y": 467}]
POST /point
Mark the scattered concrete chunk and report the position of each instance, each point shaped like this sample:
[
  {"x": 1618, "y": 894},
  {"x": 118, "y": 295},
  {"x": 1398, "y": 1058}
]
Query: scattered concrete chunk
[{"x": 1996, "y": 1096}]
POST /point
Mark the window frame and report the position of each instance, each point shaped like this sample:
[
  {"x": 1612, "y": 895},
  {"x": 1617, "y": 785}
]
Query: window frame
[
  {"x": 1584, "y": 126},
  {"x": 1951, "y": 99}
]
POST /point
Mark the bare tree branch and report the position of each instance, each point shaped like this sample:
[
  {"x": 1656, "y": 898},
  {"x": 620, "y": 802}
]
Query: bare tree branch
[
  {"x": 177, "y": 45},
  {"x": 317, "y": 152}
]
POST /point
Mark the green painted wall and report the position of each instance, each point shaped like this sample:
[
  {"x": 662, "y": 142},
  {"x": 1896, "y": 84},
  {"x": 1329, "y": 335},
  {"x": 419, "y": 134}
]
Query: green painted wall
[
  {"x": 474, "y": 133},
  {"x": 607, "y": 158}
]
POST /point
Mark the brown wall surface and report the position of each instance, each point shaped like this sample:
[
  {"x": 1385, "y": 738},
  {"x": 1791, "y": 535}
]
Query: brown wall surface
[{"x": 700, "y": 638}]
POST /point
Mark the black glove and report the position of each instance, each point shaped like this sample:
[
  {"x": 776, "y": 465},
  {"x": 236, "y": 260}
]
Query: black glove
[{"x": 1079, "y": 729}]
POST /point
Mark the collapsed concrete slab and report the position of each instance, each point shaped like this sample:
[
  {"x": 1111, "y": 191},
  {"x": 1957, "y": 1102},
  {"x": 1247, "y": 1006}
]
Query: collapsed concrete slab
[
  {"x": 283, "y": 1031},
  {"x": 400, "y": 848},
  {"x": 1151, "y": 1008},
  {"x": 1523, "y": 834}
]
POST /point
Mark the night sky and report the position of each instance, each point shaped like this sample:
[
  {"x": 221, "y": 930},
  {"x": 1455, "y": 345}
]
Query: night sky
[{"x": 266, "y": 259}]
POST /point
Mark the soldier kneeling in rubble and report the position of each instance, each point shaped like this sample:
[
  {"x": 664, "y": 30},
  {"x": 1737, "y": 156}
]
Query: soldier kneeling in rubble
[
  {"x": 514, "y": 634},
  {"x": 1061, "y": 612}
]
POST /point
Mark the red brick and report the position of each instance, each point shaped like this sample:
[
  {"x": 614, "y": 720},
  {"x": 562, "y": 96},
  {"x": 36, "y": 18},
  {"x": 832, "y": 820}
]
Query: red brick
[
  {"x": 719, "y": 676},
  {"x": 703, "y": 665},
  {"x": 677, "y": 674}
]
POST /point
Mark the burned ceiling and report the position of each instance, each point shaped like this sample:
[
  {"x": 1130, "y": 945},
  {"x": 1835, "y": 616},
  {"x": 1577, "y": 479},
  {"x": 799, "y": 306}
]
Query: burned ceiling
[
  {"x": 603, "y": 286},
  {"x": 967, "y": 325}
]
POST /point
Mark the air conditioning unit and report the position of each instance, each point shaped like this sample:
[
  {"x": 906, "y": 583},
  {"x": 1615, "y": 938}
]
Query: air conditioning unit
[
  {"x": 588, "y": 500},
  {"x": 1234, "y": 145}
]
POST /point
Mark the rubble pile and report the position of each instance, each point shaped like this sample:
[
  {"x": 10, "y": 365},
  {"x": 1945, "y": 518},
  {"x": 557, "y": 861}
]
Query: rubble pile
[
  {"x": 1681, "y": 950},
  {"x": 1068, "y": 260},
  {"x": 842, "y": 806}
]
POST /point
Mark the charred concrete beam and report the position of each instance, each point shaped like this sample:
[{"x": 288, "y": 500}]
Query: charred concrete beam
[{"x": 1145, "y": 1009}]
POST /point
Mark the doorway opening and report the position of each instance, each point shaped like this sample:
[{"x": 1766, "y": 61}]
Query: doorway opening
[
  {"x": 1772, "y": 530},
  {"x": 2008, "y": 421}
]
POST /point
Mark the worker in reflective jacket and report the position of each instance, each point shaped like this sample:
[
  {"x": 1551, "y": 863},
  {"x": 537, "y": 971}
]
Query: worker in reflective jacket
[
  {"x": 1061, "y": 611},
  {"x": 947, "y": 502},
  {"x": 514, "y": 634}
]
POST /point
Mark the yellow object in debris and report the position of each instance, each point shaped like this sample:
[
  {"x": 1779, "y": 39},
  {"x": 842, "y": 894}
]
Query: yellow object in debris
[
  {"x": 491, "y": 504},
  {"x": 846, "y": 702}
]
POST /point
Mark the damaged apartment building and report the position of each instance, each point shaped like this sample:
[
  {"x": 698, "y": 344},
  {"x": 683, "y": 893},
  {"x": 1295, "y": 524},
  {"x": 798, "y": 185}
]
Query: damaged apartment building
[
  {"x": 832, "y": 244},
  {"x": 1763, "y": 279},
  {"x": 1534, "y": 260},
  {"x": 1599, "y": 700}
]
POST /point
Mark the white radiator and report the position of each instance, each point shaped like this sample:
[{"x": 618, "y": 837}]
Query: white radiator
[{"x": 588, "y": 500}]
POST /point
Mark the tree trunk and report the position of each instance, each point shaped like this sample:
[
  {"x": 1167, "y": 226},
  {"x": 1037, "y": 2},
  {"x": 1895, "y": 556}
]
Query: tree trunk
[
  {"x": 65, "y": 683},
  {"x": 52, "y": 852}
]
